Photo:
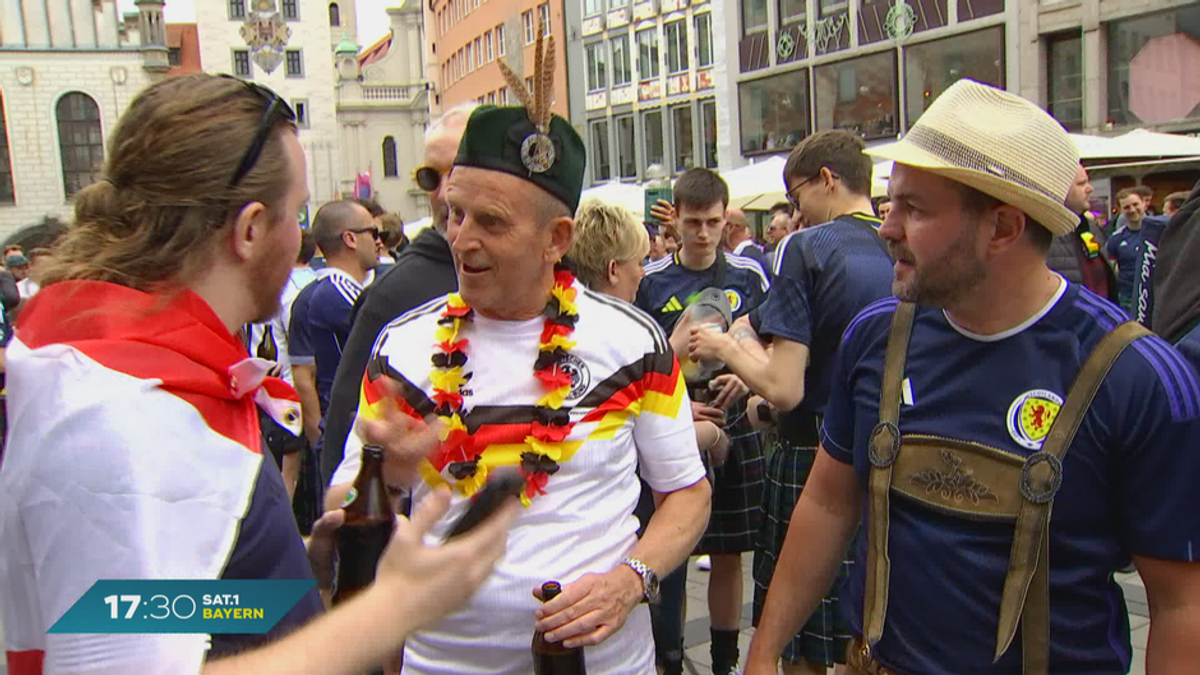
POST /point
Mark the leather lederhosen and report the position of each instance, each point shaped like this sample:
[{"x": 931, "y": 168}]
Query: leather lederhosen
[{"x": 975, "y": 482}]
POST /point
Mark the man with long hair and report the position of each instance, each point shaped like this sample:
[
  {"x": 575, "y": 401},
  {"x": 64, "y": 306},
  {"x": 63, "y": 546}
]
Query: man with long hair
[{"x": 135, "y": 449}]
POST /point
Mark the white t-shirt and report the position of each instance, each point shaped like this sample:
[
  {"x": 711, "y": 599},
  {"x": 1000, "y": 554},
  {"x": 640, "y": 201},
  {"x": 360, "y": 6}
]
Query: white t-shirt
[{"x": 631, "y": 413}]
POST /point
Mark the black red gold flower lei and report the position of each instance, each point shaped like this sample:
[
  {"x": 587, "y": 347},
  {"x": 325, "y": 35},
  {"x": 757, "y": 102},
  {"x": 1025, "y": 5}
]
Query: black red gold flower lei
[{"x": 552, "y": 424}]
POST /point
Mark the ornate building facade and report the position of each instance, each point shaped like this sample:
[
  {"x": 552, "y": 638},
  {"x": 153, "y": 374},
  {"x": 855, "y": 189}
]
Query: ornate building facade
[{"x": 68, "y": 69}]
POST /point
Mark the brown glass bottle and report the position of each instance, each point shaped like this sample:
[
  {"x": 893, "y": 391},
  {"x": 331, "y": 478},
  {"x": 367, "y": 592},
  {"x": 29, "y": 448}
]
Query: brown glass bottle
[
  {"x": 552, "y": 658},
  {"x": 267, "y": 349},
  {"x": 367, "y": 528}
]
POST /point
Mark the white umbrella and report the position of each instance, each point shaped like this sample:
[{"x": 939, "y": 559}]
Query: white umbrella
[
  {"x": 411, "y": 230},
  {"x": 632, "y": 197},
  {"x": 1143, "y": 143},
  {"x": 757, "y": 185}
]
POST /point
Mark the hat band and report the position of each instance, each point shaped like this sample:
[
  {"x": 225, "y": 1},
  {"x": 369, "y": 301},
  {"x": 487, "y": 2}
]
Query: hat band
[{"x": 945, "y": 147}]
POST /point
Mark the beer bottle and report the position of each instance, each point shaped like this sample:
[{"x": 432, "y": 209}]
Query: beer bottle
[
  {"x": 552, "y": 658},
  {"x": 267, "y": 349},
  {"x": 367, "y": 528}
]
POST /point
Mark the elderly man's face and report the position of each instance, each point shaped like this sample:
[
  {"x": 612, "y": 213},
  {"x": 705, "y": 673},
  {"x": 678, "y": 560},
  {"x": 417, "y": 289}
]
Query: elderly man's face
[
  {"x": 779, "y": 228},
  {"x": 439, "y": 155},
  {"x": 503, "y": 247},
  {"x": 932, "y": 237}
]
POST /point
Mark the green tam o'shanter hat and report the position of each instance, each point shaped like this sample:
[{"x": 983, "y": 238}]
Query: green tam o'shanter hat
[{"x": 528, "y": 141}]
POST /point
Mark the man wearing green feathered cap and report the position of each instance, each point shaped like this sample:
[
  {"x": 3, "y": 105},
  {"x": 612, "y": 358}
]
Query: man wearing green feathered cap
[{"x": 529, "y": 372}]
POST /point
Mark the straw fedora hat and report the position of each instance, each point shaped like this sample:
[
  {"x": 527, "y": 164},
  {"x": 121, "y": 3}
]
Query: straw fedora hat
[{"x": 999, "y": 144}]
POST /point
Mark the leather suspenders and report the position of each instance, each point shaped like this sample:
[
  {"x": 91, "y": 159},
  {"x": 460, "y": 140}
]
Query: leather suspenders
[{"x": 999, "y": 486}]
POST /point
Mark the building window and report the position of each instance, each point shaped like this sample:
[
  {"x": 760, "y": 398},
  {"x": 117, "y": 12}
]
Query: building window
[
  {"x": 503, "y": 96},
  {"x": 1152, "y": 67},
  {"x": 491, "y": 98},
  {"x": 291, "y": 11},
  {"x": 795, "y": 11},
  {"x": 827, "y": 8},
  {"x": 470, "y": 58},
  {"x": 593, "y": 7},
  {"x": 622, "y": 69},
  {"x": 479, "y": 52},
  {"x": 389, "y": 157},
  {"x": 241, "y": 62},
  {"x": 295, "y": 63},
  {"x": 544, "y": 15},
  {"x": 601, "y": 165},
  {"x": 754, "y": 16},
  {"x": 81, "y": 141},
  {"x": 7, "y": 195},
  {"x": 527, "y": 24},
  {"x": 974, "y": 9},
  {"x": 677, "y": 47},
  {"x": 491, "y": 48},
  {"x": 858, "y": 95},
  {"x": 652, "y": 135},
  {"x": 597, "y": 68},
  {"x": 500, "y": 39},
  {"x": 237, "y": 9},
  {"x": 529, "y": 84},
  {"x": 931, "y": 67},
  {"x": 647, "y": 53},
  {"x": 335, "y": 14},
  {"x": 774, "y": 112},
  {"x": 300, "y": 107},
  {"x": 681, "y": 130},
  {"x": 1064, "y": 55},
  {"x": 708, "y": 127},
  {"x": 174, "y": 56},
  {"x": 704, "y": 46},
  {"x": 626, "y": 157}
]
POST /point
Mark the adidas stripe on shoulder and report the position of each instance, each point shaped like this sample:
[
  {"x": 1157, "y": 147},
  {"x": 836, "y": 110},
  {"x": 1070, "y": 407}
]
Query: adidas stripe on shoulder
[
  {"x": 751, "y": 264},
  {"x": 661, "y": 345}
]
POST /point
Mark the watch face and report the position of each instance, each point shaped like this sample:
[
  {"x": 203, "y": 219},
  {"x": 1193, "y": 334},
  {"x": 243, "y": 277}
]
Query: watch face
[{"x": 652, "y": 587}]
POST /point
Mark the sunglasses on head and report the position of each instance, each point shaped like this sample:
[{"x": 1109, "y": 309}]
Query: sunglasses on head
[
  {"x": 428, "y": 178},
  {"x": 276, "y": 109}
]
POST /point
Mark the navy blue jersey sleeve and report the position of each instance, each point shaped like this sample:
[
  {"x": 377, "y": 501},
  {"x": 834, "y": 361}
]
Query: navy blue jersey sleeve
[
  {"x": 300, "y": 344},
  {"x": 1160, "y": 458},
  {"x": 860, "y": 355},
  {"x": 332, "y": 307},
  {"x": 786, "y": 312}
]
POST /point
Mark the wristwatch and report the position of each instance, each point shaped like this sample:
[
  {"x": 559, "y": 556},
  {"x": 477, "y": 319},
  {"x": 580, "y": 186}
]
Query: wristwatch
[{"x": 649, "y": 579}]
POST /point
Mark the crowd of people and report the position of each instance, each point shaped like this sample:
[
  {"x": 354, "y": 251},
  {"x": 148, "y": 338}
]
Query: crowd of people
[{"x": 877, "y": 402}]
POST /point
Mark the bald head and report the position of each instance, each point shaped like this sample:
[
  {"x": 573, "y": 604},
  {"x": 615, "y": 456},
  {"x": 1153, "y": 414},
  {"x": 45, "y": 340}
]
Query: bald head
[
  {"x": 441, "y": 146},
  {"x": 738, "y": 226},
  {"x": 335, "y": 218}
]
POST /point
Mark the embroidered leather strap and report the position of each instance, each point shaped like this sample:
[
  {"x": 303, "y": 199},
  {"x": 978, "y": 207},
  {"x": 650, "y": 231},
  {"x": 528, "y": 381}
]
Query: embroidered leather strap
[
  {"x": 883, "y": 448},
  {"x": 1026, "y": 596}
]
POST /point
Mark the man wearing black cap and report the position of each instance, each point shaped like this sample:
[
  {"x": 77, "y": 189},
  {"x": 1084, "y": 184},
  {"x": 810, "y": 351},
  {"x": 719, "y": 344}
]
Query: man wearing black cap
[{"x": 528, "y": 372}]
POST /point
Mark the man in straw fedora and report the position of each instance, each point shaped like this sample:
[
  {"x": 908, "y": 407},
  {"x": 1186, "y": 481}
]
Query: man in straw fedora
[{"x": 947, "y": 431}]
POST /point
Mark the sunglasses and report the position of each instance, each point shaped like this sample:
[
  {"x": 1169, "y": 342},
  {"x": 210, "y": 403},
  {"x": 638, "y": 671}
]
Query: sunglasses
[
  {"x": 428, "y": 178},
  {"x": 276, "y": 109},
  {"x": 373, "y": 230}
]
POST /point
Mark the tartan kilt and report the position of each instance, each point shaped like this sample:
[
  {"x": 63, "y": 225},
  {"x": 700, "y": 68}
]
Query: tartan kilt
[
  {"x": 737, "y": 496},
  {"x": 823, "y": 639}
]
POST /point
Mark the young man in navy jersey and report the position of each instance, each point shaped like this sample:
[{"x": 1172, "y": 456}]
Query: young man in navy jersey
[
  {"x": 942, "y": 432},
  {"x": 823, "y": 277},
  {"x": 701, "y": 199}
]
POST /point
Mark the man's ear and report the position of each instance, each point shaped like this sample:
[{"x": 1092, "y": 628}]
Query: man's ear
[
  {"x": 250, "y": 228},
  {"x": 1007, "y": 225},
  {"x": 611, "y": 272},
  {"x": 561, "y": 231}
]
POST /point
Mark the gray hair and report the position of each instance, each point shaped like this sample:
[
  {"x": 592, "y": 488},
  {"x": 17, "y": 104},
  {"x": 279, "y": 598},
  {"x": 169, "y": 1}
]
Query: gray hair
[{"x": 462, "y": 110}]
